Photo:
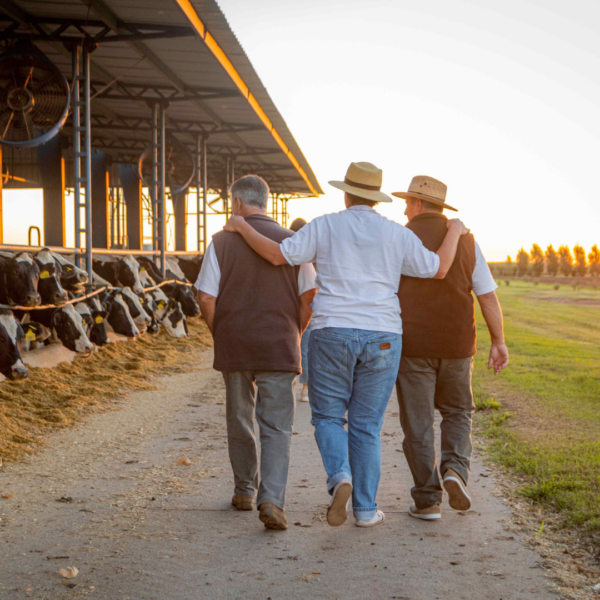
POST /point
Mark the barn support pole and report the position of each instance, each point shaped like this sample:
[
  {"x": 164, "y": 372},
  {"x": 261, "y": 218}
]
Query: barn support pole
[
  {"x": 132, "y": 194},
  {"x": 159, "y": 183},
  {"x": 180, "y": 213},
  {"x": 204, "y": 192},
  {"x": 100, "y": 200},
  {"x": 1, "y": 205},
  {"x": 83, "y": 156},
  {"x": 52, "y": 171},
  {"x": 227, "y": 187}
]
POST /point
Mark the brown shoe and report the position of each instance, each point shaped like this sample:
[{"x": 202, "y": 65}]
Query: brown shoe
[
  {"x": 272, "y": 516},
  {"x": 426, "y": 514},
  {"x": 243, "y": 502},
  {"x": 458, "y": 497}
]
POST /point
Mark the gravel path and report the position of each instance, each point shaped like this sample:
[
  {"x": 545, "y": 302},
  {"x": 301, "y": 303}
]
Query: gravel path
[{"x": 110, "y": 498}]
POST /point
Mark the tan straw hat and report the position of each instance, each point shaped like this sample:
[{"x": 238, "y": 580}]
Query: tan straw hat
[
  {"x": 363, "y": 179},
  {"x": 426, "y": 188}
]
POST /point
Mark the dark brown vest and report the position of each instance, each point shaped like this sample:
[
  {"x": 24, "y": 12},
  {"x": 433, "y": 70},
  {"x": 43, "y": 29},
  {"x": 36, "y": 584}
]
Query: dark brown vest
[
  {"x": 438, "y": 315},
  {"x": 257, "y": 315}
]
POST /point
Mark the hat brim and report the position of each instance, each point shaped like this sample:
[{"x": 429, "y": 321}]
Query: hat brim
[
  {"x": 366, "y": 194},
  {"x": 417, "y": 196}
]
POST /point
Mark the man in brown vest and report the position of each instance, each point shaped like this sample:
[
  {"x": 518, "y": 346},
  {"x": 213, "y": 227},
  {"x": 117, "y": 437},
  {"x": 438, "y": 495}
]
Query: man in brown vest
[
  {"x": 256, "y": 313},
  {"x": 437, "y": 355}
]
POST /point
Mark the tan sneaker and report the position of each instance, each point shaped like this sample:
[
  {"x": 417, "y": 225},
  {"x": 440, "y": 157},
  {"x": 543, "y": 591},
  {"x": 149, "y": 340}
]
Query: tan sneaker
[
  {"x": 458, "y": 497},
  {"x": 426, "y": 514},
  {"x": 243, "y": 502},
  {"x": 272, "y": 516},
  {"x": 337, "y": 513}
]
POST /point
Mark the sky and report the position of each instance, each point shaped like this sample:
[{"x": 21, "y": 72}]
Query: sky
[{"x": 496, "y": 98}]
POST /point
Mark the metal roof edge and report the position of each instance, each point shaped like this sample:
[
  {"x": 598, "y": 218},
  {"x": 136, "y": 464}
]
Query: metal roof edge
[{"x": 192, "y": 16}]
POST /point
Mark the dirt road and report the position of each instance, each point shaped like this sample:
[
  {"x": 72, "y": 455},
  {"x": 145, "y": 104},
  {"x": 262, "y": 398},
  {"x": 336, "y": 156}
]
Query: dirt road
[{"x": 110, "y": 498}]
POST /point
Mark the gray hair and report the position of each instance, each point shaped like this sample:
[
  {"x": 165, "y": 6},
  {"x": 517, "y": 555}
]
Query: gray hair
[{"x": 252, "y": 190}]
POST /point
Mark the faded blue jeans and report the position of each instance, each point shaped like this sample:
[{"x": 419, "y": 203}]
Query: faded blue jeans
[
  {"x": 304, "y": 350},
  {"x": 352, "y": 371}
]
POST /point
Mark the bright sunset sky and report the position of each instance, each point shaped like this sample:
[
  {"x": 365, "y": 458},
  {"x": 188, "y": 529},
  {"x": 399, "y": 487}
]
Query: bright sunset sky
[{"x": 497, "y": 98}]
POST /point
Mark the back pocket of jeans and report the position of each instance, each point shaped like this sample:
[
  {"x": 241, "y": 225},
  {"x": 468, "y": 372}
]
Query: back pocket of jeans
[
  {"x": 381, "y": 354},
  {"x": 332, "y": 356}
]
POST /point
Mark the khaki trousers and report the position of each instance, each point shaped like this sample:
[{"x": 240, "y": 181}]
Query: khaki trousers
[{"x": 423, "y": 385}]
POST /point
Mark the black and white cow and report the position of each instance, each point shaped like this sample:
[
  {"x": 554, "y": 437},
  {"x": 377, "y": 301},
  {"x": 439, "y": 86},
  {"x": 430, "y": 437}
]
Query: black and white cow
[
  {"x": 68, "y": 327},
  {"x": 190, "y": 266},
  {"x": 174, "y": 271},
  {"x": 19, "y": 276},
  {"x": 150, "y": 270},
  {"x": 71, "y": 277},
  {"x": 11, "y": 337},
  {"x": 174, "y": 321},
  {"x": 121, "y": 272},
  {"x": 118, "y": 318},
  {"x": 97, "y": 332},
  {"x": 185, "y": 295},
  {"x": 150, "y": 307},
  {"x": 49, "y": 285},
  {"x": 136, "y": 310},
  {"x": 35, "y": 335}
]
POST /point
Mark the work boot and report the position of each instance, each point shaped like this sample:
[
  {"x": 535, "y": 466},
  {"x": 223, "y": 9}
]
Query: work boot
[
  {"x": 426, "y": 514},
  {"x": 458, "y": 497},
  {"x": 243, "y": 502},
  {"x": 272, "y": 516}
]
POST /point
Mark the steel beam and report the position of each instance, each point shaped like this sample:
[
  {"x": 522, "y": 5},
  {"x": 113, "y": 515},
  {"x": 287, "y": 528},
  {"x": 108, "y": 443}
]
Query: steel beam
[
  {"x": 100, "y": 191},
  {"x": 204, "y": 192},
  {"x": 180, "y": 215},
  {"x": 132, "y": 193}
]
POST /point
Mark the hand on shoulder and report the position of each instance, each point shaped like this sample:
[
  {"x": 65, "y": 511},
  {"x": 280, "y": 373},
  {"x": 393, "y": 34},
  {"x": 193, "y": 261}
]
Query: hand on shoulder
[
  {"x": 234, "y": 223},
  {"x": 458, "y": 225}
]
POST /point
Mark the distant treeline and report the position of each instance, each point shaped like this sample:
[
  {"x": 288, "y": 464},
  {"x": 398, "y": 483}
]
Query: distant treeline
[{"x": 536, "y": 262}]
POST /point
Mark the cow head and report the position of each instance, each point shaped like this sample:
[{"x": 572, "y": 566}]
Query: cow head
[
  {"x": 11, "y": 336},
  {"x": 119, "y": 319},
  {"x": 174, "y": 270},
  {"x": 34, "y": 333},
  {"x": 70, "y": 274},
  {"x": 68, "y": 327},
  {"x": 86, "y": 315},
  {"x": 150, "y": 268},
  {"x": 174, "y": 321},
  {"x": 149, "y": 305},
  {"x": 97, "y": 332},
  {"x": 19, "y": 279},
  {"x": 185, "y": 296},
  {"x": 49, "y": 285},
  {"x": 136, "y": 310},
  {"x": 128, "y": 273}
]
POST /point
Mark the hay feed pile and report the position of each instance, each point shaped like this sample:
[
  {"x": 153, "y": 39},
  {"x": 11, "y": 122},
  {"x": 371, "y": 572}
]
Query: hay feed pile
[{"x": 60, "y": 397}]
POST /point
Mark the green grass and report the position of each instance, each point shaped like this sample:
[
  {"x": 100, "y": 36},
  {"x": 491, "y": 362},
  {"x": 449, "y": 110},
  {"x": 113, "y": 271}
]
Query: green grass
[{"x": 547, "y": 427}]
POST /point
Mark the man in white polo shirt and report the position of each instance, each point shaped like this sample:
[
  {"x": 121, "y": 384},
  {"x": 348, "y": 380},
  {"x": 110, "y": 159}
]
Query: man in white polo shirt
[{"x": 356, "y": 338}]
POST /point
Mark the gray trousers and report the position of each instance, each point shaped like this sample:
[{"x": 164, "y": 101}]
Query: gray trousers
[
  {"x": 274, "y": 406},
  {"x": 423, "y": 385}
]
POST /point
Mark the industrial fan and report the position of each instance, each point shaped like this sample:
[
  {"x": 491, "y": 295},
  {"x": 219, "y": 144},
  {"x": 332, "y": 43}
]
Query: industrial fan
[
  {"x": 179, "y": 168},
  {"x": 34, "y": 98}
]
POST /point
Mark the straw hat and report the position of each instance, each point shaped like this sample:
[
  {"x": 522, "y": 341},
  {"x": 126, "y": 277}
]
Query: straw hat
[
  {"x": 426, "y": 188},
  {"x": 363, "y": 179}
]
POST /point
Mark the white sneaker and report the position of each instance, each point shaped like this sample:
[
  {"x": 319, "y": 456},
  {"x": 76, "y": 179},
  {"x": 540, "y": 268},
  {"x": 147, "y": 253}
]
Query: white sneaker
[
  {"x": 378, "y": 518},
  {"x": 304, "y": 395},
  {"x": 337, "y": 513}
]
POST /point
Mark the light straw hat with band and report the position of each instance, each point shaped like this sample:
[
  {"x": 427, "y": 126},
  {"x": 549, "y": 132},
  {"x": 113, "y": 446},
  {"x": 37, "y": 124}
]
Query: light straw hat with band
[
  {"x": 426, "y": 188},
  {"x": 364, "y": 180}
]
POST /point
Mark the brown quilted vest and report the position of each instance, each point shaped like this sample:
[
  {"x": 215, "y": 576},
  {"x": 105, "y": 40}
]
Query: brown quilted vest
[
  {"x": 438, "y": 315},
  {"x": 257, "y": 315}
]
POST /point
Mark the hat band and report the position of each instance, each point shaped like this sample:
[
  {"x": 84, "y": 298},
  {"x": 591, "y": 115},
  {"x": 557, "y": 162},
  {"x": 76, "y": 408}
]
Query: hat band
[{"x": 373, "y": 188}]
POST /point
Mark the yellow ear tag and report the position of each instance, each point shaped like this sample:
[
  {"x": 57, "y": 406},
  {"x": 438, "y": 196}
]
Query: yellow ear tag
[
  {"x": 142, "y": 269},
  {"x": 30, "y": 336},
  {"x": 44, "y": 275},
  {"x": 161, "y": 304},
  {"x": 99, "y": 319}
]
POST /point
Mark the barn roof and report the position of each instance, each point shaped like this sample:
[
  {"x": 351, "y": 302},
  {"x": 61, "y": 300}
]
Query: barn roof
[{"x": 180, "y": 51}]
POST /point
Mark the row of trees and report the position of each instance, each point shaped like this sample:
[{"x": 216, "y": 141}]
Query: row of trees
[{"x": 553, "y": 262}]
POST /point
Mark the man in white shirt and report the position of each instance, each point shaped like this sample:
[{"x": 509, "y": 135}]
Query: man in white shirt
[
  {"x": 437, "y": 356},
  {"x": 256, "y": 313},
  {"x": 356, "y": 340}
]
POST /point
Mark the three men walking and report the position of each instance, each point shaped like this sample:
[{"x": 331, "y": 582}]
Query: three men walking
[{"x": 357, "y": 339}]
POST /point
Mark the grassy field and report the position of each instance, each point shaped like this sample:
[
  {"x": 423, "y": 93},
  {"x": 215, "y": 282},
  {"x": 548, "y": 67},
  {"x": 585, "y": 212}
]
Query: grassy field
[{"x": 542, "y": 415}]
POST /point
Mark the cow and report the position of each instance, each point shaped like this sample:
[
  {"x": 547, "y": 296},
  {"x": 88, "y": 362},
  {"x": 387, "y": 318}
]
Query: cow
[
  {"x": 174, "y": 321},
  {"x": 150, "y": 307},
  {"x": 67, "y": 326},
  {"x": 35, "y": 335},
  {"x": 174, "y": 271},
  {"x": 97, "y": 332},
  {"x": 71, "y": 277},
  {"x": 151, "y": 270},
  {"x": 162, "y": 302},
  {"x": 118, "y": 317},
  {"x": 11, "y": 336},
  {"x": 121, "y": 272},
  {"x": 19, "y": 275},
  {"x": 86, "y": 315},
  {"x": 190, "y": 266},
  {"x": 185, "y": 296},
  {"x": 136, "y": 310},
  {"x": 49, "y": 285}
]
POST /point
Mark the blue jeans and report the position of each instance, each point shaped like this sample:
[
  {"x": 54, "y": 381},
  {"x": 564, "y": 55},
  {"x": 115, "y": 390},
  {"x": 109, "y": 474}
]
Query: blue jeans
[
  {"x": 304, "y": 349},
  {"x": 353, "y": 371}
]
